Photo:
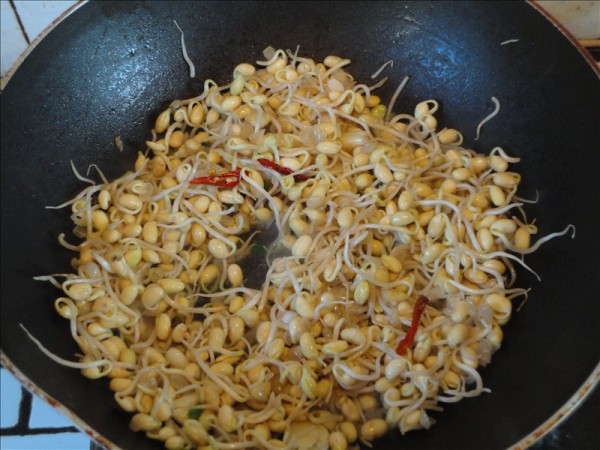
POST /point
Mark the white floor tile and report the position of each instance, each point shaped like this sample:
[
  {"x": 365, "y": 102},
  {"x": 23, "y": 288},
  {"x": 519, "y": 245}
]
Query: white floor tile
[
  {"x": 581, "y": 18},
  {"x": 43, "y": 415},
  {"x": 10, "y": 391},
  {"x": 62, "y": 441},
  {"x": 37, "y": 15},
  {"x": 12, "y": 42}
]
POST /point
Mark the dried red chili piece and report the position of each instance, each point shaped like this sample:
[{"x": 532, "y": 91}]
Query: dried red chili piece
[
  {"x": 416, "y": 318},
  {"x": 280, "y": 169},
  {"x": 225, "y": 179}
]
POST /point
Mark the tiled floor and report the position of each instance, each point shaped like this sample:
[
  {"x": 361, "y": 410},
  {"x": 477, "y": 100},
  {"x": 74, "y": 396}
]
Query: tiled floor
[
  {"x": 29, "y": 423},
  {"x": 13, "y": 42},
  {"x": 21, "y": 23}
]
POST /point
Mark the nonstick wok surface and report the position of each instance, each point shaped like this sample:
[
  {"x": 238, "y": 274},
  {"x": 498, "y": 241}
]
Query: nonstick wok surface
[{"x": 110, "y": 67}]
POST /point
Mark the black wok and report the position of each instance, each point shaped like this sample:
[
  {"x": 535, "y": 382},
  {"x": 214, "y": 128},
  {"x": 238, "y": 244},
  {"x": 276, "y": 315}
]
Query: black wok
[{"x": 110, "y": 67}]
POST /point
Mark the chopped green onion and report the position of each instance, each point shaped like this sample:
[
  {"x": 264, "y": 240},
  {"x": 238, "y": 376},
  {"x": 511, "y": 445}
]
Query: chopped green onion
[{"x": 194, "y": 413}]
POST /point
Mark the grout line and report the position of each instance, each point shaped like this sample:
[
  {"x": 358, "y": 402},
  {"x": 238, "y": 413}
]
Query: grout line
[
  {"x": 22, "y": 426},
  {"x": 14, "y": 8},
  {"x": 25, "y": 408},
  {"x": 12, "y": 431}
]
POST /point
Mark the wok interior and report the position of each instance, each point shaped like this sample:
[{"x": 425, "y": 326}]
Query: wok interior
[{"x": 116, "y": 65}]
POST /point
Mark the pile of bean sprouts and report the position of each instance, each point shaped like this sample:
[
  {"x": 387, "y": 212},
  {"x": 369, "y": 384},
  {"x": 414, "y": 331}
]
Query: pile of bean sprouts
[{"x": 388, "y": 208}]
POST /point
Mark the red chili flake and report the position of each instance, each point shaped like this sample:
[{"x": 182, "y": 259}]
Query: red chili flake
[
  {"x": 225, "y": 179},
  {"x": 280, "y": 169},
  {"x": 416, "y": 318}
]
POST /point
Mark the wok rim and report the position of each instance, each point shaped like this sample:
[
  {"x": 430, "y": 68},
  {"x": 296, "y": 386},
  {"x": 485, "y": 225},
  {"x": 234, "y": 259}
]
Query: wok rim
[
  {"x": 555, "y": 420},
  {"x": 566, "y": 33}
]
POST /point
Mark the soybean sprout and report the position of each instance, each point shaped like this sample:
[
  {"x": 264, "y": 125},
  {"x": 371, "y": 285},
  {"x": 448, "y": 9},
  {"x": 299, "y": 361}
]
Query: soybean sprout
[
  {"x": 489, "y": 117},
  {"x": 373, "y": 213}
]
